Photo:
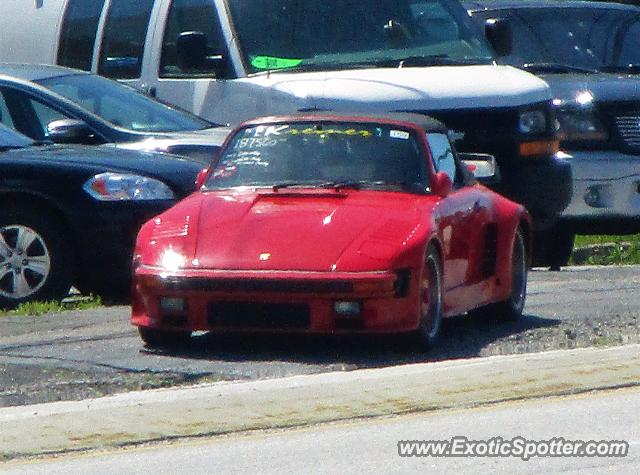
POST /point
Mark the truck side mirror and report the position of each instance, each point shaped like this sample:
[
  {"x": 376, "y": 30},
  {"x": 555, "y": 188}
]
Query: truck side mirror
[
  {"x": 191, "y": 54},
  {"x": 498, "y": 32},
  {"x": 70, "y": 131},
  {"x": 482, "y": 166},
  {"x": 191, "y": 50}
]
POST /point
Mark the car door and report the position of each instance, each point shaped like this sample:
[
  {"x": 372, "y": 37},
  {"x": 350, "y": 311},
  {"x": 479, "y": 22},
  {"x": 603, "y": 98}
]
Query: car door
[
  {"x": 460, "y": 214},
  {"x": 198, "y": 89}
]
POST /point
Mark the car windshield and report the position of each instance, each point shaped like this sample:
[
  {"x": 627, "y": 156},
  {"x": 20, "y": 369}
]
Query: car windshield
[
  {"x": 564, "y": 40},
  {"x": 321, "y": 154},
  {"x": 12, "y": 139},
  {"x": 121, "y": 105},
  {"x": 321, "y": 34}
]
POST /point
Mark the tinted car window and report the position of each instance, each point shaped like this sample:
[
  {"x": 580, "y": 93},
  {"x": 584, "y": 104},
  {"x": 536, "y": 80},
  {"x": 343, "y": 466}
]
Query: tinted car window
[
  {"x": 442, "y": 155},
  {"x": 124, "y": 38},
  {"x": 45, "y": 115},
  {"x": 584, "y": 37},
  {"x": 12, "y": 139},
  {"x": 190, "y": 15},
  {"x": 5, "y": 115},
  {"x": 629, "y": 45},
  {"x": 78, "y": 33},
  {"x": 121, "y": 105},
  {"x": 315, "y": 153},
  {"x": 287, "y": 33}
]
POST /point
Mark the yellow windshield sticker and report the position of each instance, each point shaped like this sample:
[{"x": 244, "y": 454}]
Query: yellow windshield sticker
[{"x": 326, "y": 132}]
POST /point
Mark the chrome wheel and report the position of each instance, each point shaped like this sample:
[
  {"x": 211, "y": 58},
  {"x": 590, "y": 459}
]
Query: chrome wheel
[{"x": 25, "y": 263}]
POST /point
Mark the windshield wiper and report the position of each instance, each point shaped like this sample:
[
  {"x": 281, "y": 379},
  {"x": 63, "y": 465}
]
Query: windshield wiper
[
  {"x": 556, "y": 68},
  {"x": 358, "y": 184},
  {"x": 406, "y": 62},
  {"x": 295, "y": 184},
  {"x": 437, "y": 60},
  {"x": 4, "y": 148},
  {"x": 320, "y": 66},
  {"x": 628, "y": 68}
]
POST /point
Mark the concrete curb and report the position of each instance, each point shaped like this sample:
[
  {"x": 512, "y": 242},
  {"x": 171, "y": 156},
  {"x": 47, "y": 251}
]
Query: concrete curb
[{"x": 232, "y": 407}]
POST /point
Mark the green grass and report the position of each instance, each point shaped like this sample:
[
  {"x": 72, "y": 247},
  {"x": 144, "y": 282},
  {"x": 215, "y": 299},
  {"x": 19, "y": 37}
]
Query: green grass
[
  {"x": 625, "y": 249},
  {"x": 42, "y": 308}
]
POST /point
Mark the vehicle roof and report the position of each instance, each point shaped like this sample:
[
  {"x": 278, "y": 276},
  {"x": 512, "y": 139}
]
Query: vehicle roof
[
  {"x": 475, "y": 5},
  {"x": 421, "y": 121},
  {"x": 36, "y": 72}
]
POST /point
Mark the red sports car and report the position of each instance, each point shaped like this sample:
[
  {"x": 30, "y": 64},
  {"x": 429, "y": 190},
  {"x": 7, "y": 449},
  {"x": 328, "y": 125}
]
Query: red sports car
[{"x": 323, "y": 223}]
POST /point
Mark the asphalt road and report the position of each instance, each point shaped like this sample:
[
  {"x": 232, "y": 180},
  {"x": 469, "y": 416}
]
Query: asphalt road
[
  {"x": 91, "y": 353},
  {"x": 372, "y": 446}
]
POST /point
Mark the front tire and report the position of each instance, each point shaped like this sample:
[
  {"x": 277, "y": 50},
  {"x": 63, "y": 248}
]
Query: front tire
[
  {"x": 553, "y": 247},
  {"x": 36, "y": 262},
  {"x": 154, "y": 338},
  {"x": 430, "y": 301}
]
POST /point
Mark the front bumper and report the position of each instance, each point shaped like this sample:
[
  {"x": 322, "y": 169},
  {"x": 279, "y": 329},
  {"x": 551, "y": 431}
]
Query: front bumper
[
  {"x": 107, "y": 237},
  {"x": 256, "y": 301},
  {"x": 606, "y": 192},
  {"x": 543, "y": 185}
]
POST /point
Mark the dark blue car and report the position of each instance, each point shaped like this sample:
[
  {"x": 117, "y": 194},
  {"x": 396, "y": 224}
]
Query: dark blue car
[{"x": 69, "y": 214}]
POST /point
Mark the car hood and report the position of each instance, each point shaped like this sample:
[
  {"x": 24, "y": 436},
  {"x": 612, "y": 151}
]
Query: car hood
[
  {"x": 604, "y": 87},
  {"x": 409, "y": 89},
  {"x": 300, "y": 231},
  {"x": 177, "y": 172},
  {"x": 199, "y": 145},
  {"x": 213, "y": 137}
]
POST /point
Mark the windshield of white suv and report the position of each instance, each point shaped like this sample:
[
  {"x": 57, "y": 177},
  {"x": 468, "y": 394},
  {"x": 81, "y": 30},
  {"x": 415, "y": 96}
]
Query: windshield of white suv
[
  {"x": 564, "y": 40},
  {"x": 121, "y": 105},
  {"x": 318, "y": 154},
  {"x": 321, "y": 34}
]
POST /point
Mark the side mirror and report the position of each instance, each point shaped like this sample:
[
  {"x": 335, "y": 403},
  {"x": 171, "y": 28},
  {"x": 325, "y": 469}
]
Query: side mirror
[
  {"x": 191, "y": 54},
  {"x": 482, "y": 166},
  {"x": 442, "y": 184},
  {"x": 498, "y": 32},
  {"x": 201, "y": 178},
  {"x": 69, "y": 131}
]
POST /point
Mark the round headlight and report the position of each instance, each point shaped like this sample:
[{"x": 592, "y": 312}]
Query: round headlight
[{"x": 532, "y": 122}]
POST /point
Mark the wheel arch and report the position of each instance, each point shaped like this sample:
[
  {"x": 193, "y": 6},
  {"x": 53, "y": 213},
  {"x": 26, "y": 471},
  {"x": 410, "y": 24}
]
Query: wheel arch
[{"x": 39, "y": 202}]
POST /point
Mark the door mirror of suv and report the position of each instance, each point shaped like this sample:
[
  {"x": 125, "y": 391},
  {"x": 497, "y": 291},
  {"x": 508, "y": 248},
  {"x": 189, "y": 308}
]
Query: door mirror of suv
[
  {"x": 192, "y": 57},
  {"x": 482, "y": 166},
  {"x": 442, "y": 184},
  {"x": 498, "y": 32},
  {"x": 70, "y": 131}
]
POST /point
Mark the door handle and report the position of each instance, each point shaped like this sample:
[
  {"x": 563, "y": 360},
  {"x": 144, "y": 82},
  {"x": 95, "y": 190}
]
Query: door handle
[{"x": 152, "y": 91}]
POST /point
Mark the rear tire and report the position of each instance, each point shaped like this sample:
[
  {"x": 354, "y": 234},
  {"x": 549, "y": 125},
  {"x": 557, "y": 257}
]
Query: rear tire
[
  {"x": 36, "y": 261},
  {"x": 511, "y": 308},
  {"x": 430, "y": 301},
  {"x": 154, "y": 338}
]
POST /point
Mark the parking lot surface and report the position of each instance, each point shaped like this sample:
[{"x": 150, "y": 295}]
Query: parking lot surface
[{"x": 89, "y": 353}]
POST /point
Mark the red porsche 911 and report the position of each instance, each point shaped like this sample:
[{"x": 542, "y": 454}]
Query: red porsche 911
[{"x": 323, "y": 223}]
